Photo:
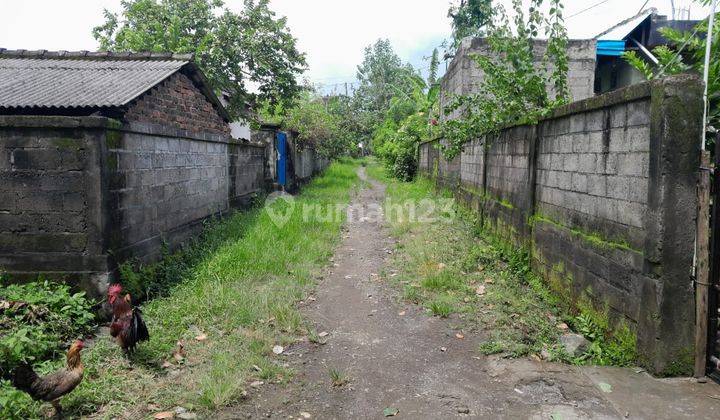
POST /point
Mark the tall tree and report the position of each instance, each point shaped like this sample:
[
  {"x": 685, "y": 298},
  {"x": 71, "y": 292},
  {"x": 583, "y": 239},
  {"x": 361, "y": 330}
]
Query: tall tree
[
  {"x": 469, "y": 18},
  {"x": 234, "y": 50},
  {"x": 434, "y": 64},
  {"x": 382, "y": 75}
]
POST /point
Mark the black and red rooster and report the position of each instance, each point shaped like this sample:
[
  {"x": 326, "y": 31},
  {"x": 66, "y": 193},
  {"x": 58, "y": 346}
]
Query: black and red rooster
[{"x": 127, "y": 325}]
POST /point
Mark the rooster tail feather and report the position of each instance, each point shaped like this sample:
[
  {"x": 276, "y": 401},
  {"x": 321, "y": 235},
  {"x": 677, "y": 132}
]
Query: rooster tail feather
[
  {"x": 23, "y": 376},
  {"x": 139, "y": 329}
]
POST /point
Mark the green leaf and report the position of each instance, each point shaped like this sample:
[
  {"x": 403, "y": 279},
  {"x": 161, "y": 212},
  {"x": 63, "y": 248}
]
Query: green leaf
[
  {"x": 605, "y": 387},
  {"x": 390, "y": 412}
]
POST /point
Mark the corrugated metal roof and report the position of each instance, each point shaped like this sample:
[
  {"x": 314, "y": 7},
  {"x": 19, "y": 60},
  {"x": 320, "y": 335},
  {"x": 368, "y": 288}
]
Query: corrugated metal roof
[
  {"x": 67, "y": 80},
  {"x": 624, "y": 28}
]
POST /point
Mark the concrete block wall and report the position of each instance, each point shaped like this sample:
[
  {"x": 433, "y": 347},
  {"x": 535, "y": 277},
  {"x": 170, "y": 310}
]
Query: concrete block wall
[
  {"x": 508, "y": 181},
  {"x": 592, "y": 170},
  {"x": 51, "y": 199},
  {"x": 472, "y": 164},
  {"x": 86, "y": 193},
  {"x": 448, "y": 172},
  {"x": 162, "y": 182},
  {"x": 603, "y": 194},
  {"x": 321, "y": 163},
  {"x": 463, "y": 75},
  {"x": 265, "y": 136},
  {"x": 303, "y": 163},
  {"x": 246, "y": 176}
]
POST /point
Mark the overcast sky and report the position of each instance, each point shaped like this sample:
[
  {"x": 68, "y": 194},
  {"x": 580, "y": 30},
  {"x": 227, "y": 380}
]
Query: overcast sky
[{"x": 333, "y": 33}]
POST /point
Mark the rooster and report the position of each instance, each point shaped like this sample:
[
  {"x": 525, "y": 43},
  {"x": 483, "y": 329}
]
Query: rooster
[
  {"x": 51, "y": 387},
  {"x": 127, "y": 325}
]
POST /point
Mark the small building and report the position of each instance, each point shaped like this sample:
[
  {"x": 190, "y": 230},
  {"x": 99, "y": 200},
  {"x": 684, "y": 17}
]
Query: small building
[
  {"x": 640, "y": 33},
  {"x": 106, "y": 157}
]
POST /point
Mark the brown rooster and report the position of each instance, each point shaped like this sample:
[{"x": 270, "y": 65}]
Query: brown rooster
[
  {"x": 51, "y": 387},
  {"x": 127, "y": 325}
]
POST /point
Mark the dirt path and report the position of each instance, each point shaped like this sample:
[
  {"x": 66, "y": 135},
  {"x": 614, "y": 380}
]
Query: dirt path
[{"x": 397, "y": 356}]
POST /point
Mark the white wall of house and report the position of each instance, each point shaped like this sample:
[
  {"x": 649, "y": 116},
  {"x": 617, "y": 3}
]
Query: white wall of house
[{"x": 240, "y": 130}]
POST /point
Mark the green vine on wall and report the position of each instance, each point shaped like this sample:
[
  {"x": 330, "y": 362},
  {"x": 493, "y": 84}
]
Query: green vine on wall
[{"x": 514, "y": 89}]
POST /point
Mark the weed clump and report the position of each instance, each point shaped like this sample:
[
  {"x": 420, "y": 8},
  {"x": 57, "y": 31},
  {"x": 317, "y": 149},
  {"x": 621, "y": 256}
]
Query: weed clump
[
  {"x": 337, "y": 378},
  {"x": 441, "y": 308}
]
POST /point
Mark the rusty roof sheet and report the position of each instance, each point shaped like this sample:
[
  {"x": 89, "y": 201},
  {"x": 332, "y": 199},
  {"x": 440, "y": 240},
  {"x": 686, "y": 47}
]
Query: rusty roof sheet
[{"x": 63, "y": 79}]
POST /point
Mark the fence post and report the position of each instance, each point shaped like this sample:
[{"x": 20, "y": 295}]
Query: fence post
[{"x": 702, "y": 266}]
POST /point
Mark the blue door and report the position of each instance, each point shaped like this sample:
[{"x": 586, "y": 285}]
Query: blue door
[{"x": 281, "y": 158}]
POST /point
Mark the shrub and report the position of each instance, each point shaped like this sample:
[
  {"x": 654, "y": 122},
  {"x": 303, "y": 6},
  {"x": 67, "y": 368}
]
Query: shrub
[
  {"x": 38, "y": 319},
  {"x": 407, "y": 123}
]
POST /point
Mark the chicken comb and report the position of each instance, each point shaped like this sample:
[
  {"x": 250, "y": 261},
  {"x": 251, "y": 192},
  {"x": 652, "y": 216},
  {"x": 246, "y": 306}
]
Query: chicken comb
[{"x": 114, "y": 289}]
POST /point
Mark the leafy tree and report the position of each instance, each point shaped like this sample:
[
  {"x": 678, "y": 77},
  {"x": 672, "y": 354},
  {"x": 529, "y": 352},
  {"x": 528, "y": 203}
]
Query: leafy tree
[
  {"x": 686, "y": 53},
  {"x": 233, "y": 49},
  {"x": 322, "y": 123},
  {"x": 382, "y": 75},
  {"x": 434, "y": 64},
  {"x": 469, "y": 18},
  {"x": 348, "y": 125},
  {"x": 515, "y": 86}
]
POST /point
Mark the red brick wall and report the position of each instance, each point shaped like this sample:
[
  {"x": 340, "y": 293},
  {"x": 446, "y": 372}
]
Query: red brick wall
[{"x": 178, "y": 103}]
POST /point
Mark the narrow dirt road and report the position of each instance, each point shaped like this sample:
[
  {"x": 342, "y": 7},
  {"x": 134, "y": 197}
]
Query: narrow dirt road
[{"x": 396, "y": 356}]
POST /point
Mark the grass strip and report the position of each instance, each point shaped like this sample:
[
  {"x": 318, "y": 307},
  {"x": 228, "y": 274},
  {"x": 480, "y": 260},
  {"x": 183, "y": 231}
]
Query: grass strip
[
  {"x": 456, "y": 269},
  {"x": 235, "y": 301}
]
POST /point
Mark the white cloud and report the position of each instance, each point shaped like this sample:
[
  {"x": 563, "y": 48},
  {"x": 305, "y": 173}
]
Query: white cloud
[
  {"x": 51, "y": 24},
  {"x": 332, "y": 32}
]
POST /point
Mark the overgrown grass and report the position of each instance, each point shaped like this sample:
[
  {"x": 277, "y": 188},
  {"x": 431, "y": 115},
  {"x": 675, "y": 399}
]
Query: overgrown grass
[
  {"x": 463, "y": 269},
  {"x": 239, "y": 289}
]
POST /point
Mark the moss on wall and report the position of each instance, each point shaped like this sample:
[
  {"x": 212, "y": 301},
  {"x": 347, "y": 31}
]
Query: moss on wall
[{"x": 592, "y": 238}]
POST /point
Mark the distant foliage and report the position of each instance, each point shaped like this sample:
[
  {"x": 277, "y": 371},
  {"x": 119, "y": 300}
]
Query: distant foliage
[
  {"x": 348, "y": 124},
  {"x": 324, "y": 123},
  {"x": 513, "y": 90},
  {"x": 396, "y": 108},
  {"x": 311, "y": 120},
  {"x": 433, "y": 71},
  {"x": 408, "y": 122},
  {"x": 382, "y": 76},
  {"x": 233, "y": 49},
  {"x": 470, "y": 18}
]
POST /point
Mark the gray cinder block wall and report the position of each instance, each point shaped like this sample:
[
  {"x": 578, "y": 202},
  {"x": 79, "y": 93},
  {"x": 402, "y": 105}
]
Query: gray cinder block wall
[
  {"x": 306, "y": 160},
  {"x": 303, "y": 163},
  {"x": 80, "y": 194},
  {"x": 51, "y": 198},
  {"x": 463, "y": 75},
  {"x": 603, "y": 194},
  {"x": 164, "y": 182}
]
